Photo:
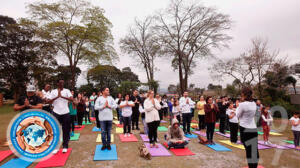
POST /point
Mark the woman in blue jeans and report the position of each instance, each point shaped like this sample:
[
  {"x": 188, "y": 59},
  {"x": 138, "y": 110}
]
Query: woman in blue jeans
[{"x": 105, "y": 104}]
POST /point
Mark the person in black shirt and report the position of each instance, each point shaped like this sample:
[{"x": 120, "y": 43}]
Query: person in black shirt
[
  {"x": 223, "y": 105},
  {"x": 30, "y": 101},
  {"x": 135, "y": 109}
]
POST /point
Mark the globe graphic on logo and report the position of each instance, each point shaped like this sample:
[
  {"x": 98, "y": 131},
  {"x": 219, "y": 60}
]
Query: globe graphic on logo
[{"x": 34, "y": 135}]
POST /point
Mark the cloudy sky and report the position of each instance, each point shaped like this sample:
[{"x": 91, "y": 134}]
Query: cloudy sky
[{"x": 276, "y": 20}]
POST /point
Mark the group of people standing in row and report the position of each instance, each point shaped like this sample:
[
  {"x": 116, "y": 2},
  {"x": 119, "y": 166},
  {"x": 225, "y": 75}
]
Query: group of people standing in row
[{"x": 243, "y": 114}]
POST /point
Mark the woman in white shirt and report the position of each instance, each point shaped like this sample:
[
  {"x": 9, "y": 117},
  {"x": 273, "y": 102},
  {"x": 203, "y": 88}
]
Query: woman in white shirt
[
  {"x": 176, "y": 110},
  {"x": 248, "y": 130},
  {"x": 126, "y": 107},
  {"x": 151, "y": 107},
  {"x": 233, "y": 123},
  {"x": 295, "y": 121}
]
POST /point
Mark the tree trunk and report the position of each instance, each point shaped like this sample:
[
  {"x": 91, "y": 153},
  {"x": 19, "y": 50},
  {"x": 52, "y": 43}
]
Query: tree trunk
[
  {"x": 181, "y": 80},
  {"x": 294, "y": 86},
  {"x": 73, "y": 73}
]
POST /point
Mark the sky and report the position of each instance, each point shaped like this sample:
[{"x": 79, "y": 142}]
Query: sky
[{"x": 275, "y": 20}]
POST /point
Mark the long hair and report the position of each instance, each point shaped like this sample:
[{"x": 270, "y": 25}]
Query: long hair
[{"x": 247, "y": 92}]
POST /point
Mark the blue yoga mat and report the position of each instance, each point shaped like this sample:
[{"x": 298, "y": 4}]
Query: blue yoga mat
[
  {"x": 190, "y": 135},
  {"x": 219, "y": 148},
  {"x": 106, "y": 154},
  {"x": 16, "y": 162},
  {"x": 95, "y": 129}
]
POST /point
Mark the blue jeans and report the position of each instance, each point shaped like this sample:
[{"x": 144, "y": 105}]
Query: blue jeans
[
  {"x": 145, "y": 126},
  {"x": 92, "y": 109},
  {"x": 120, "y": 116},
  {"x": 175, "y": 145},
  {"x": 105, "y": 131}
]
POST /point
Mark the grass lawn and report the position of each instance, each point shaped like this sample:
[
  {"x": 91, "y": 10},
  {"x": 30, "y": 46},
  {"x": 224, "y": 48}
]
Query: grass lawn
[{"x": 128, "y": 156}]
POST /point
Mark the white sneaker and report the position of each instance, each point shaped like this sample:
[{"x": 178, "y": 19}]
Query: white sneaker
[
  {"x": 269, "y": 143},
  {"x": 65, "y": 150},
  {"x": 265, "y": 143},
  {"x": 55, "y": 151},
  {"x": 128, "y": 135},
  {"x": 125, "y": 135}
]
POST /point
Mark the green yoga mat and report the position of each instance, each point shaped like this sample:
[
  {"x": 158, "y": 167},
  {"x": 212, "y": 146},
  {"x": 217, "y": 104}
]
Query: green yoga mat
[
  {"x": 75, "y": 137},
  {"x": 88, "y": 123},
  {"x": 192, "y": 129},
  {"x": 216, "y": 130},
  {"x": 162, "y": 129},
  {"x": 260, "y": 133},
  {"x": 290, "y": 142}
]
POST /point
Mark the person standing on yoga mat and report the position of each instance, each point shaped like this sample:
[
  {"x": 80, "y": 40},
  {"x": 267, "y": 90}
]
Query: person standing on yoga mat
[
  {"x": 80, "y": 108},
  {"x": 295, "y": 121},
  {"x": 211, "y": 111},
  {"x": 73, "y": 112},
  {"x": 266, "y": 122},
  {"x": 248, "y": 130},
  {"x": 151, "y": 107},
  {"x": 105, "y": 104},
  {"x": 186, "y": 105},
  {"x": 60, "y": 98},
  {"x": 175, "y": 135},
  {"x": 201, "y": 113},
  {"x": 126, "y": 107},
  {"x": 135, "y": 110},
  {"x": 233, "y": 122}
]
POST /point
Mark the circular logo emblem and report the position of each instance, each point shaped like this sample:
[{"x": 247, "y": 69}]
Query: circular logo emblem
[{"x": 34, "y": 134}]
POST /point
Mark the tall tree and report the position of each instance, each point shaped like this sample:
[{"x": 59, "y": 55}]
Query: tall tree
[
  {"x": 79, "y": 31},
  {"x": 189, "y": 31},
  {"x": 142, "y": 45},
  {"x": 20, "y": 53},
  {"x": 128, "y": 75}
]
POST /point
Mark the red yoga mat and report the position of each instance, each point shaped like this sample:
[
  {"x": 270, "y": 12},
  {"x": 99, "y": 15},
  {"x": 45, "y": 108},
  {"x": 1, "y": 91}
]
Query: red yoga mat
[
  {"x": 132, "y": 138},
  {"x": 77, "y": 128},
  {"x": 120, "y": 125},
  {"x": 259, "y": 166},
  {"x": 4, "y": 154},
  {"x": 180, "y": 152},
  {"x": 57, "y": 160}
]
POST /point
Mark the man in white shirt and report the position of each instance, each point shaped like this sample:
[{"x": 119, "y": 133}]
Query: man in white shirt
[
  {"x": 105, "y": 104},
  {"x": 46, "y": 95},
  {"x": 186, "y": 104},
  {"x": 59, "y": 98}
]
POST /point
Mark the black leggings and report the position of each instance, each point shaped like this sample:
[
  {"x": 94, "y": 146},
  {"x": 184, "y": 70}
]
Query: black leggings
[
  {"x": 87, "y": 116},
  {"x": 296, "y": 138},
  {"x": 201, "y": 124},
  {"x": 186, "y": 117},
  {"x": 152, "y": 133},
  {"x": 249, "y": 140},
  {"x": 210, "y": 129},
  {"x": 80, "y": 117},
  {"x": 234, "y": 127},
  {"x": 73, "y": 118},
  {"x": 126, "y": 125},
  {"x": 178, "y": 118},
  {"x": 97, "y": 119}
]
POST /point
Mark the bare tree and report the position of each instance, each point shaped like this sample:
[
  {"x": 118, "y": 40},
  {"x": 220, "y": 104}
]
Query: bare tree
[
  {"x": 141, "y": 43},
  {"x": 188, "y": 32}
]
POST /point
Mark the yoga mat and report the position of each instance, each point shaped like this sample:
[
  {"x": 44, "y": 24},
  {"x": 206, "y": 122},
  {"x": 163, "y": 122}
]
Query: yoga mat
[
  {"x": 290, "y": 142},
  {"x": 75, "y": 137},
  {"x": 119, "y": 130},
  {"x": 131, "y": 138},
  {"x": 191, "y": 129},
  {"x": 106, "y": 154},
  {"x": 259, "y": 166},
  {"x": 79, "y": 129},
  {"x": 259, "y": 146},
  {"x": 224, "y": 135},
  {"x": 194, "y": 126},
  {"x": 56, "y": 160},
  {"x": 180, "y": 151},
  {"x": 260, "y": 133},
  {"x": 273, "y": 145},
  {"x": 119, "y": 125},
  {"x": 227, "y": 142},
  {"x": 275, "y": 133},
  {"x": 194, "y": 121},
  {"x": 93, "y": 119},
  {"x": 5, "y": 154},
  {"x": 200, "y": 133},
  {"x": 162, "y": 129},
  {"x": 88, "y": 123},
  {"x": 95, "y": 129},
  {"x": 218, "y": 148},
  {"x": 145, "y": 138},
  {"x": 16, "y": 163},
  {"x": 292, "y": 146},
  {"x": 160, "y": 151},
  {"x": 116, "y": 122},
  {"x": 217, "y": 130},
  {"x": 163, "y": 121},
  {"x": 99, "y": 139},
  {"x": 191, "y": 136}
]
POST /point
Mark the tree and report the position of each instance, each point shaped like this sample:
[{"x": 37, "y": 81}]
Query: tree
[
  {"x": 172, "y": 88},
  {"x": 20, "y": 53},
  {"x": 88, "y": 89},
  {"x": 189, "y": 32},
  {"x": 78, "y": 30},
  {"x": 213, "y": 87},
  {"x": 127, "y": 87},
  {"x": 142, "y": 46},
  {"x": 293, "y": 81},
  {"x": 128, "y": 75}
]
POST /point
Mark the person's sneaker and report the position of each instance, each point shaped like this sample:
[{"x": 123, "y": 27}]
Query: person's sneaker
[
  {"x": 269, "y": 143},
  {"x": 125, "y": 135},
  {"x": 190, "y": 133},
  {"x": 212, "y": 142},
  {"x": 55, "y": 151},
  {"x": 65, "y": 150},
  {"x": 128, "y": 135},
  {"x": 108, "y": 147},
  {"x": 265, "y": 143},
  {"x": 72, "y": 133},
  {"x": 103, "y": 147}
]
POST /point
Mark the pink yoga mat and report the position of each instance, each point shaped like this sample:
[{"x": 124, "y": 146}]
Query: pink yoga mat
[
  {"x": 224, "y": 135},
  {"x": 132, "y": 138},
  {"x": 291, "y": 146},
  {"x": 57, "y": 160},
  {"x": 273, "y": 145},
  {"x": 5, "y": 154},
  {"x": 79, "y": 129},
  {"x": 259, "y": 146},
  {"x": 160, "y": 151},
  {"x": 163, "y": 121},
  {"x": 145, "y": 138},
  {"x": 200, "y": 133}
]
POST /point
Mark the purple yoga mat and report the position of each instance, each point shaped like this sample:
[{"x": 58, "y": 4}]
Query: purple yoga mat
[
  {"x": 163, "y": 121},
  {"x": 145, "y": 138},
  {"x": 260, "y": 147},
  {"x": 291, "y": 146},
  {"x": 273, "y": 145},
  {"x": 160, "y": 151},
  {"x": 224, "y": 135},
  {"x": 200, "y": 133}
]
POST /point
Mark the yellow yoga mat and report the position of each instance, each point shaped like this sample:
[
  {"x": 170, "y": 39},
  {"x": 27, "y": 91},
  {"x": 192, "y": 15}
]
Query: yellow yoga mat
[
  {"x": 100, "y": 140},
  {"x": 227, "y": 142},
  {"x": 275, "y": 133},
  {"x": 119, "y": 130},
  {"x": 192, "y": 124},
  {"x": 116, "y": 122}
]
